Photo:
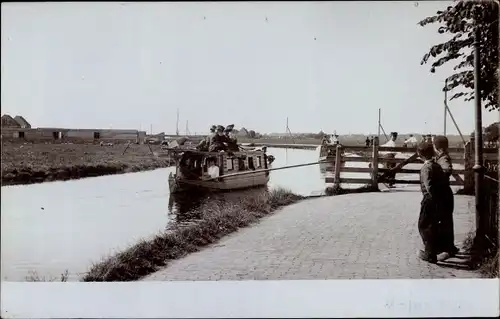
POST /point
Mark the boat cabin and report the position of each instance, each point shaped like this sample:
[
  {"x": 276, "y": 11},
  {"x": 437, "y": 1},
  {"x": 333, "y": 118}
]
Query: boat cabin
[{"x": 194, "y": 164}]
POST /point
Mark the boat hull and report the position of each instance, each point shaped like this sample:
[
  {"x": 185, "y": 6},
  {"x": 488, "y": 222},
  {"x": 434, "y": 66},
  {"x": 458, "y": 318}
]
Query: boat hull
[{"x": 223, "y": 184}]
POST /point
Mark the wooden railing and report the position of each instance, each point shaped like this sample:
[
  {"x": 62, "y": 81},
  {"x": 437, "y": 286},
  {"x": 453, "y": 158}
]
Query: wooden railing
[{"x": 375, "y": 155}]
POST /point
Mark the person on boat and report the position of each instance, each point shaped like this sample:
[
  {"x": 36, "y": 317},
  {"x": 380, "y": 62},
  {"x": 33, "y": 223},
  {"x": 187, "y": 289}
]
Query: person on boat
[
  {"x": 367, "y": 142},
  {"x": 205, "y": 143},
  {"x": 433, "y": 185},
  {"x": 213, "y": 128},
  {"x": 218, "y": 140},
  {"x": 232, "y": 143},
  {"x": 325, "y": 140},
  {"x": 202, "y": 146},
  {"x": 212, "y": 170},
  {"x": 336, "y": 139},
  {"x": 446, "y": 225}
]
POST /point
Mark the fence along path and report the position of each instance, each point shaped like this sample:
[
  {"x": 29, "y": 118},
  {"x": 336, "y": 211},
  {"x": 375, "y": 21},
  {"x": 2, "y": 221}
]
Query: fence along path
[{"x": 376, "y": 156}]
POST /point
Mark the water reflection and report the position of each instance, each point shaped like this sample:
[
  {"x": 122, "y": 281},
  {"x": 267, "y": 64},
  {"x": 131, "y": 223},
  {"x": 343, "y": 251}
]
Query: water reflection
[
  {"x": 184, "y": 208},
  {"x": 180, "y": 205}
]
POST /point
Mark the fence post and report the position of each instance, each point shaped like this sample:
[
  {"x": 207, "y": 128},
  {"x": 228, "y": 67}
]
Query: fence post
[
  {"x": 468, "y": 164},
  {"x": 374, "y": 176},
  {"x": 338, "y": 161}
]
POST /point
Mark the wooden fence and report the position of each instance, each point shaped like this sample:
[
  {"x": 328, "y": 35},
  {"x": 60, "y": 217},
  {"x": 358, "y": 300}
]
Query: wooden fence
[{"x": 375, "y": 155}]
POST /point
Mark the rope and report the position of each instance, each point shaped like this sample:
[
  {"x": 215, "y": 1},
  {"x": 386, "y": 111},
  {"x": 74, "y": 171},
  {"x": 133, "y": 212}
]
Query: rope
[{"x": 495, "y": 180}]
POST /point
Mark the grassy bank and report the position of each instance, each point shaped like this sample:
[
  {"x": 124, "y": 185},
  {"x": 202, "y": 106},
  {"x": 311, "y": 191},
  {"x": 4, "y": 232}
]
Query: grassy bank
[
  {"x": 486, "y": 263},
  {"x": 217, "y": 219},
  {"x": 489, "y": 266},
  {"x": 26, "y": 163}
]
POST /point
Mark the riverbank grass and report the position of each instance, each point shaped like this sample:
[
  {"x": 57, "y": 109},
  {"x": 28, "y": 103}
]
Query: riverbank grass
[
  {"x": 39, "y": 162},
  {"x": 217, "y": 220},
  {"x": 487, "y": 263}
]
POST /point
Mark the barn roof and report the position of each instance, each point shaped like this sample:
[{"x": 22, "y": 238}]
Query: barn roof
[
  {"x": 8, "y": 121},
  {"x": 22, "y": 121}
]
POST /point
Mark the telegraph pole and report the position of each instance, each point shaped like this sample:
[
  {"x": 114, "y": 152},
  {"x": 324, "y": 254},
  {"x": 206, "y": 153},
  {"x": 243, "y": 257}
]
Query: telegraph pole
[
  {"x": 445, "y": 108},
  {"x": 478, "y": 149},
  {"x": 378, "y": 127},
  {"x": 177, "y": 129}
]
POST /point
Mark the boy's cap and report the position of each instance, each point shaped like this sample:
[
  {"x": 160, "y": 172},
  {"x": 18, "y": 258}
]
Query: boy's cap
[{"x": 441, "y": 142}]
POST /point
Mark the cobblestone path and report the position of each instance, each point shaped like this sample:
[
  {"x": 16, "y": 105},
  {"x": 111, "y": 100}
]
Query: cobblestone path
[{"x": 358, "y": 236}]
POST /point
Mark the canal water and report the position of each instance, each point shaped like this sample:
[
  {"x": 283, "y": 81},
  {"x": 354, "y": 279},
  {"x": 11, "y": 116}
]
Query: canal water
[{"x": 52, "y": 227}]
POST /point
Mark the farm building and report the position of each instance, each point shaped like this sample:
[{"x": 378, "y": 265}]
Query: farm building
[
  {"x": 22, "y": 121},
  {"x": 9, "y": 122},
  {"x": 74, "y": 135},
  {"x": 19, "y": 128}
]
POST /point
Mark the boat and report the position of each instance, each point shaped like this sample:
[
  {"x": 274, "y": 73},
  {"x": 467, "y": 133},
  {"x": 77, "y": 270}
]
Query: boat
[
  {"x": 327, "y": 153},
  {"x": 328, "y": 149},
  {"x": 246, "y": 168}
]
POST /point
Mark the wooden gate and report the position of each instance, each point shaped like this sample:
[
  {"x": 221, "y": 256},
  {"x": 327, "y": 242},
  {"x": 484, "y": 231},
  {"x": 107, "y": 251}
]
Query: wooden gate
[{"x": 374, "y": 156}]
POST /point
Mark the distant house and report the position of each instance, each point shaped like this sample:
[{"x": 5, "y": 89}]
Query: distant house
[
  {"x": 242, "y": 132},
  {"x": 8, "y": 121},
  {"x": 22, "y": 122}
]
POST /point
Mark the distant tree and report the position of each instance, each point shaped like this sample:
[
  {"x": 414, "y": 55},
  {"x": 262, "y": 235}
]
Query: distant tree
[
  {"x": 320, "y": 134},
  {"x": 459, "y": 20},
  {"x": 251, "y": 134},
  {"x": 491, "y": 132}
]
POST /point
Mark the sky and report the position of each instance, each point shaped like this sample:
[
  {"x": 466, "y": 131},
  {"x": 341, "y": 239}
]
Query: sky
[{"x": 325, "y": 65}]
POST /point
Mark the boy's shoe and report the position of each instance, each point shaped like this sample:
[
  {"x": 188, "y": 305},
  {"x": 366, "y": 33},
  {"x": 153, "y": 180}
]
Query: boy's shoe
[
  {"x": 444, "y": 256},
  {"x": 425, "y": 256},
  {"x": 448, "y": 254}
]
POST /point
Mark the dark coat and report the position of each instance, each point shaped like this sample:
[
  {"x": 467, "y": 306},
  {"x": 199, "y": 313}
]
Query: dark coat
[
  {"x": 217, "y": 143},
  {"x": 446, "y": 228},
  {"x": 444, "y": 160},
  {"x": 434, "y": 185},
  {"x": 433, "y": 180}
]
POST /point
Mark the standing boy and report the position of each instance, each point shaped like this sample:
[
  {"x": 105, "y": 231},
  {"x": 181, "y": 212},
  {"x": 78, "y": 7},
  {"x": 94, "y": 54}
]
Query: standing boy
[
  {"x": 433, "y": 185},
  {"x": 446, "y": 226}
]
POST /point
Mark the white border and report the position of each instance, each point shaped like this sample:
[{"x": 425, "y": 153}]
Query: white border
[{"x": 302, "y": 298}]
